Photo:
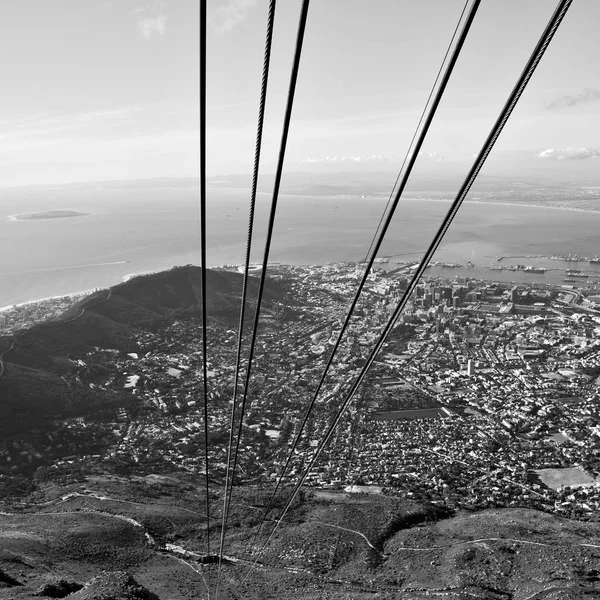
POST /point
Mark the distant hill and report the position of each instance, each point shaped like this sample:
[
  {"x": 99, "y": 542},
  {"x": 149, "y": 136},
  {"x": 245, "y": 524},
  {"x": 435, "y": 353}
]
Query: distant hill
[{"x": 32, "y": 388}]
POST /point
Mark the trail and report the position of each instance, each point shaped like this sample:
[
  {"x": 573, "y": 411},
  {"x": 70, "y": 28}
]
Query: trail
[
  {"x": 492, "y": 539},
  {"x": 364, "y": 537}
]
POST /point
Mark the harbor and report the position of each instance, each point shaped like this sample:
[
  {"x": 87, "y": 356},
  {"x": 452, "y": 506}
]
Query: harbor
[{"x": 551, "y": 269}]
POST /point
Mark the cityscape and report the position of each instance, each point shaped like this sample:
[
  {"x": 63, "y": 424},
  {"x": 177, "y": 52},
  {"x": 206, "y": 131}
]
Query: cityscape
[{"x": 484, "y": 397}]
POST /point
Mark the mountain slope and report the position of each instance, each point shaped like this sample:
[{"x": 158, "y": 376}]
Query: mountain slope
[{"x": 34, "y": 361}]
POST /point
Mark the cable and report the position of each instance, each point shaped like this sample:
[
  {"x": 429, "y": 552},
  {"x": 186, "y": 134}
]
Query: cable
[
  {"x": 513, "y": 98},
  {"x": 203, "y": 261},
  {"x": 414, "y": 155},
  {"x": 271, "y": 223},
  {"x": 412, "y": 141},
  {"x": 257, "y": 151}
]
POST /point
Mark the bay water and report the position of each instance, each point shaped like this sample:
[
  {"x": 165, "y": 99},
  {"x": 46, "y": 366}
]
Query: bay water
[{"x": 130, "y": 231}]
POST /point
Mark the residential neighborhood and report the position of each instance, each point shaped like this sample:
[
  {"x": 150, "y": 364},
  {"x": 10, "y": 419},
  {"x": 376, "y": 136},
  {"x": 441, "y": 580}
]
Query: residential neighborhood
[{"x": 484, "y": 395}]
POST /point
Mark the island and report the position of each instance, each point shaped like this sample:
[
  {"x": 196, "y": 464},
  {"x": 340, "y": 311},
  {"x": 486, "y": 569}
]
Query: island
[{"x": 48, "y": 214}]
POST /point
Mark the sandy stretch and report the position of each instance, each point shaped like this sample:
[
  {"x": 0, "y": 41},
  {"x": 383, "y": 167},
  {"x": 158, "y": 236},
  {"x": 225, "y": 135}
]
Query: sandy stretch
[{"x": 412, "y": 198}]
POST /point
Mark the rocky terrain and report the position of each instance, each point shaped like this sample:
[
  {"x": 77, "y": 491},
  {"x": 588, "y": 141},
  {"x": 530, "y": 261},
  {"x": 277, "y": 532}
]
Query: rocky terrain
[{"x": 144, "y": 538}]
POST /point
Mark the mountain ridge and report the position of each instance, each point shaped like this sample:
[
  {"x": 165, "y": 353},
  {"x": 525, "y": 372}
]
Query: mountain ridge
[{"x": 34, "y": 361}]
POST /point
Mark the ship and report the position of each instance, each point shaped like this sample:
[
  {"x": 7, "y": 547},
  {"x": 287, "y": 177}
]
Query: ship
[
  {"x": 530, "y": 269},
  {"x": 567, "y": 258},
  {"x": 594, "y": 261},
  {"x": 577, "y": 274}
]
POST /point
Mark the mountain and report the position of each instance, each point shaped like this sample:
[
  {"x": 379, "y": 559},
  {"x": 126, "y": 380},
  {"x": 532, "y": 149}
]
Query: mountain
[
  {"x": 118, "y": 585},
  {"x": 33, "y": 363}
]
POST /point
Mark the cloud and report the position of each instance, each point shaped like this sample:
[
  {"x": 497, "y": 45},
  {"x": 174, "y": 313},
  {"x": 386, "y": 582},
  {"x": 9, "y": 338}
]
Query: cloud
[
  {"x": 570, "y": 153},
  {"x": 151, "y": 19},
  {"x": 371, "y": 159},
  {"x": 588, "y": 95},
  {"x": 436, "y": 156},
  {"x": 226, "y": 17},
  {"x": 374, "y": 158}
]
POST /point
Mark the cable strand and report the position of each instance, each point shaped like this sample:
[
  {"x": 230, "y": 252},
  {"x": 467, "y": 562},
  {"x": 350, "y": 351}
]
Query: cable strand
[
  {"x": 257, "y": 153},
  {"x": 515, "y": 95},
  {"x": 412, "y": 141},
  {"x": 414, "y": 155},
  {"x": 272, "y": 213},
  {"x": 202, "y": 51}
]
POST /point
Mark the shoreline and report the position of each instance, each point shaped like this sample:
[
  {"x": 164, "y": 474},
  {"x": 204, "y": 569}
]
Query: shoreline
[
  {"x": 129, "y": 276},
  {"x": 371, "y": 199},
  {"x": 38, "y": 300}
]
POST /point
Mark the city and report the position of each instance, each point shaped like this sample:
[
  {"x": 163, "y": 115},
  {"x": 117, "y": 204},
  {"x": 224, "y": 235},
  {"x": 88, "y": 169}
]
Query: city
[{"x": 486, "y": 395}]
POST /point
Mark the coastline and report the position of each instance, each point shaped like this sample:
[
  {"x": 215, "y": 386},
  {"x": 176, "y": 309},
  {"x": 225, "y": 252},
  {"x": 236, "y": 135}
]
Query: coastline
[
  {"x": 38, "y": 300},
  {"x": 43, "y": 281},
  {"x": 421, "y": 199},
  {"x": 81, "y": 293}
]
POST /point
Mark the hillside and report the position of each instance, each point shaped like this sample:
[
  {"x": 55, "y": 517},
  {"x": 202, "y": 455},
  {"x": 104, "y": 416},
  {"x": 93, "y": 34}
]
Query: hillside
[
  {"x": 138, "y": 538},
  {"x": 34, "y": 361}
]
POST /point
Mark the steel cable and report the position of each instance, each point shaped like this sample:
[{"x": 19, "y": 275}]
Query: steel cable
[
  {"x": 202, "y": 52},
  {"x": 272, "y": 213},
  {"x": 495, "y": 132},
  {"x": 257, "y": 152},
  {"x": 414, "y": 155},
  {"x": 412, "y": 141}
]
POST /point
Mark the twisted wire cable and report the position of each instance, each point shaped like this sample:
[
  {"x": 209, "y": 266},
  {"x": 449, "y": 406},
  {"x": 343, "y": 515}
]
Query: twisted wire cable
[
  {"x": 257, "y": 153},
  {"x": 413, "y": 157},
  {"x": 202, "y": 49},
  {"x": 412, "y": 141},
  {"x": 272, "y": 213},
  {"x": 495, "y": 132}
]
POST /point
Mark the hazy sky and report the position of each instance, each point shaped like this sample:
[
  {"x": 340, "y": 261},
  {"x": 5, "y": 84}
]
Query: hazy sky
[{"x": 95, "y": 89}]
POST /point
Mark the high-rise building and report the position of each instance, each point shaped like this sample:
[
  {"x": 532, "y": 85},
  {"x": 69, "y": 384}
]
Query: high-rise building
[{"x": 446, "y": 293}]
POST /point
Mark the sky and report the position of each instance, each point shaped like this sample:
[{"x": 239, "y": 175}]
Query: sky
[{"x": 101, "y": 90}]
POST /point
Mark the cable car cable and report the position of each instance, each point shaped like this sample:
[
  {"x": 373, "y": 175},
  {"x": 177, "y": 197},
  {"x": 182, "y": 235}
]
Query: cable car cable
[
  {"x": 257, "y": 152},
  {"x": 202, "y": 52},
  {"x": 413, "y": 157},
  {"x": 495, "y": 132},
  {"x": 412, "y": 141}
]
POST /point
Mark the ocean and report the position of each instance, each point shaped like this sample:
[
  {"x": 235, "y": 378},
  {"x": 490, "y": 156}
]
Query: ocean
[{"x": 133, "y": 231}]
